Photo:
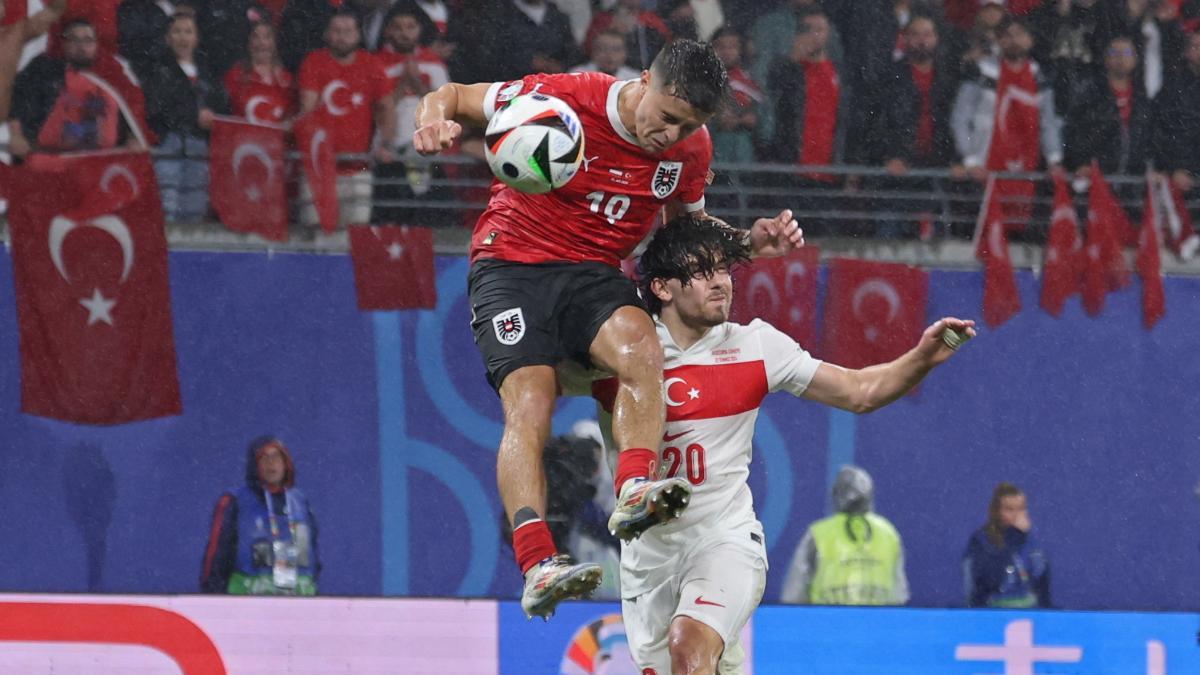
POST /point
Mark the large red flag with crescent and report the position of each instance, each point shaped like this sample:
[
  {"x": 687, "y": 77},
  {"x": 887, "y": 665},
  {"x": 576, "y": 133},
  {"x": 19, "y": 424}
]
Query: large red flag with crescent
[
  {"x": 781, "y": 291},
  {"x": 246, "y": 169},
  {"x": 93, "y": 298},
  {"x": 874, "y": 311},
  {"x": 320, "y": 164}
]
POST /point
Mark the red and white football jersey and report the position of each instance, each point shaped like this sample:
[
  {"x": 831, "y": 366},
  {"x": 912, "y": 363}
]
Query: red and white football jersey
[
  {"x": 348, "y": 92},
  {"x": 713, "y": 391},
  {"x": 611, "y": 204}
]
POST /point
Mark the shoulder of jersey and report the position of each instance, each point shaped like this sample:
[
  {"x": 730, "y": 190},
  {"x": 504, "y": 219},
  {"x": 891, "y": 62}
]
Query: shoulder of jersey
[{"x": 698, "y": 146}]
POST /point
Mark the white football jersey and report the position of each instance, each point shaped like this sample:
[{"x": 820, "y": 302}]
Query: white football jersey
[{"x": 713, "y": 391}]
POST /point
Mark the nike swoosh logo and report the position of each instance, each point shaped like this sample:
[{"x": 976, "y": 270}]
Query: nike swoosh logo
[
  {"x": 701, "y": 601},
  {"x": 667, "y": 438}
]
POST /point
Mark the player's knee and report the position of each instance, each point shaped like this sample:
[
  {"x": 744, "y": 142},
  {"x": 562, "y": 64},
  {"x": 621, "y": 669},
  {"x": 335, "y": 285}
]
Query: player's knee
[
  {"x": 692, "y": 652},
  {"x": 641, "y": 361},
  {"x": 528, "y": 395}
]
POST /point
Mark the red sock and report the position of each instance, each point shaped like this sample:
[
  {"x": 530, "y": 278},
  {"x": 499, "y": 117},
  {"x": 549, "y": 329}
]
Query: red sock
[
  {"x": 532, "y": 544},
  {"x": 634, "y": 463}
]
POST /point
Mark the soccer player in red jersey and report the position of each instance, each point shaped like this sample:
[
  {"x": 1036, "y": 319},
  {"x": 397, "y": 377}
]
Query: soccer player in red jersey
[{"x": 545, "y": 283}]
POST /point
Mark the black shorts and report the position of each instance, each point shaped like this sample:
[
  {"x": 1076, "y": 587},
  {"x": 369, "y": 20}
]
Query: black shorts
[{"x": 540, "y": 314}]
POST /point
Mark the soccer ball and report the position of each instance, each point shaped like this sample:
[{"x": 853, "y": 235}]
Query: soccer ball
[{"x": 535, "y": 143}]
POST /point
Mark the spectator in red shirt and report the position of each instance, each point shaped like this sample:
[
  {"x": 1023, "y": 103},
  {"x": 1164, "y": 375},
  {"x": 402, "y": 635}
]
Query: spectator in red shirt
[
  {"x": 350, "y": 85},
  {"x": 259, "y": 87},
  {"x": 913, "y": 129},
  {"x": 414, "y": 71},
  {"x": 811, "y": 103},
  {"x": 645, "y": 32}
]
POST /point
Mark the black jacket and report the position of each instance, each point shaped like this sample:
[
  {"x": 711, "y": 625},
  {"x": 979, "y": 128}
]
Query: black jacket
[
  {"x": 141, "y": 33},
  {"x": 173, "y": 101},
  {"x": 1094, "y": 131},
  {"x": 1177, "y": 124},
  {"x": 786, "y": 91},
  {"x": 895, "y": 134},
  {"x": 504, "y": 50},
  {"x": 35, "y": 92}
]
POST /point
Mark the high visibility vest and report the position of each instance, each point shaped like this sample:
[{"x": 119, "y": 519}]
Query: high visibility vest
[{"x": 856, "y": 560}]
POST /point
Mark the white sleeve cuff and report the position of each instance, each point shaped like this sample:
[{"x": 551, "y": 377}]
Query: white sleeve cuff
[
  {"x": 489, "y": 100},
  {"x": 694, "y": 206}
]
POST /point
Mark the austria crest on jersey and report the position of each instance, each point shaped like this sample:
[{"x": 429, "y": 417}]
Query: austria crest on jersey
[{"x": 666, "y": 178}]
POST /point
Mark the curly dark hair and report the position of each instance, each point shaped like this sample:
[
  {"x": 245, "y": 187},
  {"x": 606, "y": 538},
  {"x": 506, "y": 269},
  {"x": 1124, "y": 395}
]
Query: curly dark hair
[{"x": 687, "y": 246}]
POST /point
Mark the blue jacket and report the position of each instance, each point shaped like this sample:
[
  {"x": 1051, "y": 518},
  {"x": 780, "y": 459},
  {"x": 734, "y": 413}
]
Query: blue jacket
[
  {"x": 228, "y": 553},
  {"x": 1017, "y": 575}
]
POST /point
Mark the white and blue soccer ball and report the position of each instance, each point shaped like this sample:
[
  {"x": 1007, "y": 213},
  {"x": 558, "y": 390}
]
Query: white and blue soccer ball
[{"x": 535, "y": 143}]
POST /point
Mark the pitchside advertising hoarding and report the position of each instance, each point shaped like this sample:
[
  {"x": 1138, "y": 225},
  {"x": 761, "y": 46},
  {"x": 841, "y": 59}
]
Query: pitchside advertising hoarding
[{"x": 211, "y": 634}]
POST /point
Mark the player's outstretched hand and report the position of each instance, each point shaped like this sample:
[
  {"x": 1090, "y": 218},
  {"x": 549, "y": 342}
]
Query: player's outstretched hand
[
  {"x": 770, "y": 237},
  {"x": 935, "y": 348},
  {"x": 433, "y": 138}
]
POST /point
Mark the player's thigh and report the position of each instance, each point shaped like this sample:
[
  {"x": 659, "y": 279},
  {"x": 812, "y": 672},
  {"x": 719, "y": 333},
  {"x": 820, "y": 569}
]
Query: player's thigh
[
  {"x": 597, "y": 292},
  {"x": 513, "y": 316},
  {"x": 647, "y": 619},
  {"x": 721, "y": 588}
]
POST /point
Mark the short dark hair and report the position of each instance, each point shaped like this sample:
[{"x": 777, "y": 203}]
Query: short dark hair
[
  {"x": 686, "y": 246},
  {"x": 345, "y": 12},
  {"x": 691, "y": 71},
  {"x": 726, "y": 31},
  {"x": 77, "y": 22},
  {"x": 1009, "y": 21}
]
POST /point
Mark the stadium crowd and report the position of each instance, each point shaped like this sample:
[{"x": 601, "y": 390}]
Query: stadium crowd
[{"x": 965, "y": 86}]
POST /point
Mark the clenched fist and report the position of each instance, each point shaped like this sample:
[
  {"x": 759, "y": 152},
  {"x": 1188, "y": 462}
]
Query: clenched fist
[{"x": 431, "y": 139}]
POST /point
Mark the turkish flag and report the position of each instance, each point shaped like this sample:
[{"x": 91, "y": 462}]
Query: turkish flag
[
  {"x": 246, "y": 168},
  {"x": 1104, "y": 266},
  {"x": 1061, "y": 272},
  {"x": 93, "y": 299},
  {"x": 320, "y": 165},
  {"x": 781, "y": 291},
  {"x": 393, "y": 267},
  {"x": 874, "y": 311},
  {"x": 1001, "y": 300},
  {"x": 1180, "y": 232},
  {"x": 1149, "y": 262}
]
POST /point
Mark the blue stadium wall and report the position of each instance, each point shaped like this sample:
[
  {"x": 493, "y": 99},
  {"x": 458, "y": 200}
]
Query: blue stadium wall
[{"x": 393, "y": 429}]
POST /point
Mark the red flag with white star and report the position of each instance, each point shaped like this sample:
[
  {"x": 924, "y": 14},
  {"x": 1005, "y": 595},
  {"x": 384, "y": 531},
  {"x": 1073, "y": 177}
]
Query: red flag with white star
[
  {"x": 93, "y": 298},
  {"x": 246, "y": 169},
  {"x": 393, "y": 267}
]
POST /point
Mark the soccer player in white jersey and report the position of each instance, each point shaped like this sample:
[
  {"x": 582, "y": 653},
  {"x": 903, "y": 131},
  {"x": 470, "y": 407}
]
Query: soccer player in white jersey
[{"x": 690, "y": 585}]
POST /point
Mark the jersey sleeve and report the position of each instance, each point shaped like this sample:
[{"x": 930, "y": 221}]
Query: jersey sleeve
[
  {"x": 789, "y": 367},
  {"x": 574, "y": 88},
  {"x": 696, "y": 175}
]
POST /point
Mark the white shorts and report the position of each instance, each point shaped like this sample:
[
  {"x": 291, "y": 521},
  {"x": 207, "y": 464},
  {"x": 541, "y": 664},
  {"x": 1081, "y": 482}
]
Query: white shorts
[{"x": 719, "y": 585}]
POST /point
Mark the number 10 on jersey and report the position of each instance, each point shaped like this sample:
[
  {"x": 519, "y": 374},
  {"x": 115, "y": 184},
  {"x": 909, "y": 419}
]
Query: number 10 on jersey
[{"x": 614, "y": 206}]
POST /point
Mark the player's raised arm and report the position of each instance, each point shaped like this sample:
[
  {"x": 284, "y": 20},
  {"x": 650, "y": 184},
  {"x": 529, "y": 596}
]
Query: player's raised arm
[
  {"x": 871, "y": 388},
  {"x": 443, "y": 111}
]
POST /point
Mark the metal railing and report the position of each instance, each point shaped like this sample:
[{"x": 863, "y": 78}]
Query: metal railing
[{"x": 855, "y": 205}]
